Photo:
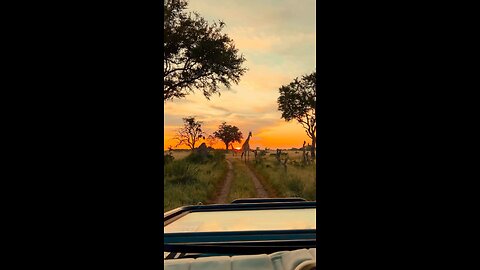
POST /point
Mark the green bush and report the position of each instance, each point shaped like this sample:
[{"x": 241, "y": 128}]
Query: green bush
[
  {"x": 295, "y": 185},
  {"x": 198, "y": 185},
  {"x": 218, "y": 156},
  {"x": 213, "y": 156},
  {"x": 182, "y": 172},
  {"x": 195, "y": 157}
]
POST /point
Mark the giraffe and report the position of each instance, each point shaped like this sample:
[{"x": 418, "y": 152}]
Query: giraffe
[{"x": 246, "y": 147}]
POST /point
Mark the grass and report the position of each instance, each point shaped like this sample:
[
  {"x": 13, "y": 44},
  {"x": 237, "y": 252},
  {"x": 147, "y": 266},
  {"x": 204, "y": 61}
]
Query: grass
[
  {"x": 188, "y": 183},
  {"x": 179, "y": 153},
  {"x": 242, "y": 184},
  {"x": 296, "y": 181}
]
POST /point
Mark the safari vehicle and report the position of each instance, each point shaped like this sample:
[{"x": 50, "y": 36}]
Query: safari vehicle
[{"x": 265, "y": 234}]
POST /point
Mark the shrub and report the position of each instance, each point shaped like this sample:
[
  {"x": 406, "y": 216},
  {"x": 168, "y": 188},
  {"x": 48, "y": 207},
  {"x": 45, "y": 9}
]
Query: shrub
[
  {"x": 195, "y": 157},
  {"x": 218, "y": 156},
  {"x": 295, "y": 185},
  {"x": 214, "y": 156},
  {"x": 168, "y": 158},
  {"x": 182, "y": 172}
]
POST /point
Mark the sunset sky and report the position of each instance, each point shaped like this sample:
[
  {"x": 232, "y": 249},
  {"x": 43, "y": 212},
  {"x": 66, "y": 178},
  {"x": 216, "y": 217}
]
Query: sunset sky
[{"x": 277, "y": 39}]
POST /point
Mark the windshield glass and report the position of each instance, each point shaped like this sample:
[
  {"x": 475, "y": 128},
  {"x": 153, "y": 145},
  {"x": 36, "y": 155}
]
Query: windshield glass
[{"x": 244, "y": 220}]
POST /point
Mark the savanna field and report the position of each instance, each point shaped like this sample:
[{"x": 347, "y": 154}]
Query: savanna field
[{"x": 190, "y": 179}]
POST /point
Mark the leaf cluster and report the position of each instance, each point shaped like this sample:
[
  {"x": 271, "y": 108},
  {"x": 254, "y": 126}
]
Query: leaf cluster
[
  {"x": 197, "y": 55},
  {"x": 228, "y": 134},
  {"x": 298, "y": 100}
]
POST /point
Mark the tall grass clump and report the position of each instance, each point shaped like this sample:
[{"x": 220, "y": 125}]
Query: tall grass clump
[
  {"x": 212, "y": 156},
  {"x": 294, "y": 181},
  {"x": 218, "y": 156},
  {"x": 189, "y": 181},
  {"x": 168, "y": 158},
  {"x": 181, "y": 172},
  {"x": 294, "y": 185}
]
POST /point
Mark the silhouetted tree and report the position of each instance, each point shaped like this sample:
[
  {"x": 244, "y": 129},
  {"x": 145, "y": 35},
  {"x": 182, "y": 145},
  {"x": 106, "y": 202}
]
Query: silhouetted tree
[
  {"x": 191, "y": 132},
  {"x": 298, "y": 101},
  {"x": 211, "y": 140},
  {"x": 228, "y": 134},
  {"x": 196, "y": 55}
]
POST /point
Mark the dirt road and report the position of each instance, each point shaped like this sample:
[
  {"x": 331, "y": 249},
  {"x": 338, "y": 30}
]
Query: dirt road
[
  {"x": 261, "y": 192},
  {"x": 222, "y": 197}
]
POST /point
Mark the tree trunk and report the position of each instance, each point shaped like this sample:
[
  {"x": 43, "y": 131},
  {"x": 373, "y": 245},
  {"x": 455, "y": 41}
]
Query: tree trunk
[
  {"x": 226, "y": 146},
  {"x": 312, "y": 151}
]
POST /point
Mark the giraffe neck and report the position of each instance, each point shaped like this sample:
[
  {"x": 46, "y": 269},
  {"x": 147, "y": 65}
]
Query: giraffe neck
[
  {"x": 247, "y": 140},
  {"x": 246, "y": 143}
]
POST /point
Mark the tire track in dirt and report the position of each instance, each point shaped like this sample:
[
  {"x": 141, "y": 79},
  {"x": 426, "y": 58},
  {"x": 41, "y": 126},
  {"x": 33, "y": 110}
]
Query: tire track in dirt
[
  {"x": 261, "y": 192},
  {"x": 222, "y": 197},
  {"x": 225, "y": 191}
]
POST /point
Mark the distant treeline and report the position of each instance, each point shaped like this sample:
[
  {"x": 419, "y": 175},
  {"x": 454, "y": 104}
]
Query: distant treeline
[{"x": 307, "y": 148}]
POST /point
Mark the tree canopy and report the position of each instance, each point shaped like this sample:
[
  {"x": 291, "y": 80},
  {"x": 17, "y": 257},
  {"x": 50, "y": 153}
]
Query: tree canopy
[
  {"x": 228, "y": 134},
  {"x": 211, "y": 140},
  {"x": 297, "y": 101},
  {"x": 190, "y": 133},
  {"x": 197, "y": 55}
]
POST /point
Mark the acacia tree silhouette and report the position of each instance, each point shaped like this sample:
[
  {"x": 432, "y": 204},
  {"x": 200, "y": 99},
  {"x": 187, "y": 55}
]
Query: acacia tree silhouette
[
  {"x": 190, "y": 133},
  {"x": 228, "y": 134},
  {"x": 297, "y": 101},
  {"x": 196, "y": 55}
]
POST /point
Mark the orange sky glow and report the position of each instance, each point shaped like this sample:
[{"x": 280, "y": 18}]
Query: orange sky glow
[{"x": 277, "y": 38}]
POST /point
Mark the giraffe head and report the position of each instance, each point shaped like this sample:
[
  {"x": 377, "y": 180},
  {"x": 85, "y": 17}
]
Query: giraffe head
[{"x": 250, "y": 134}]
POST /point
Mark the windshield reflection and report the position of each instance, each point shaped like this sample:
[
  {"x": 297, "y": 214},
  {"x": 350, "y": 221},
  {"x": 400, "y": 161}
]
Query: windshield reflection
[{"x": 245, "y": 220}]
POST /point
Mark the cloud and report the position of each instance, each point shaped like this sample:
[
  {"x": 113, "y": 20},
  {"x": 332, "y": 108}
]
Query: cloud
[
  {"x": 222, "y": 111},
  {"x": 266, "y": 15},
  {"x": 250, "y": 39}
]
